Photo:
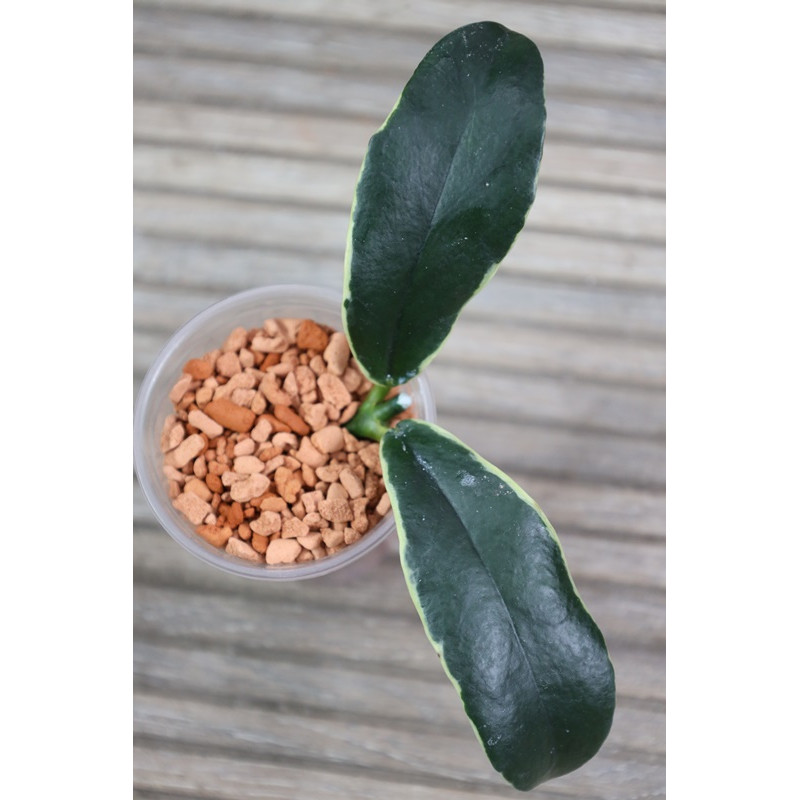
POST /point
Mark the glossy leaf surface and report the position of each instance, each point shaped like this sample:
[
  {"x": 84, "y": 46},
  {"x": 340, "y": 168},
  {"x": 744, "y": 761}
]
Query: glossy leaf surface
[
  {"x": 444, "y": 189},
  {"x": 488, "y": 576}
]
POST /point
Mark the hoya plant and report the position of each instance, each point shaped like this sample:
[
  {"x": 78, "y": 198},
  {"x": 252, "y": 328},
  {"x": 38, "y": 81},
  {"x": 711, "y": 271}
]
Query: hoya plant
[{"x": 444, "y": 190}]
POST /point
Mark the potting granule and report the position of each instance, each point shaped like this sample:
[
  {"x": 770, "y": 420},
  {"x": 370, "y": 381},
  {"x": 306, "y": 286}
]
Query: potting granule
[{"x": 255, "y": 454}]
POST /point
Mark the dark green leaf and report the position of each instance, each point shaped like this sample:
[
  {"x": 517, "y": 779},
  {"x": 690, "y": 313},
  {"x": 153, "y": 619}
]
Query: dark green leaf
[
  {"x": 488, "y": 576},
  {"x": 444, "y": 189}
]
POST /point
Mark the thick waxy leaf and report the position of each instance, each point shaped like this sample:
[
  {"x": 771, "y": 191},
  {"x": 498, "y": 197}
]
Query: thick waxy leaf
[
  {"x": 444, "y": 189},
  {"x": 487, "y": 574}
]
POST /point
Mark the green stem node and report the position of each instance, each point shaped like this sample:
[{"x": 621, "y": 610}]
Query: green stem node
[{"x": 373, "y": 415}]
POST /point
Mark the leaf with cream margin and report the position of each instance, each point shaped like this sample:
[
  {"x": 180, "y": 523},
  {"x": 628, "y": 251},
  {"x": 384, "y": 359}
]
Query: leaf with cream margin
[
  {"x": 444, "y": 189},
  {"x": 488, "y": 576}
]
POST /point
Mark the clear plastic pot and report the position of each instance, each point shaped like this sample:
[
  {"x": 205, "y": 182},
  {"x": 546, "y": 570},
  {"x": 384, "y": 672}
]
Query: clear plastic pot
[{"x": 203, "y": 333}]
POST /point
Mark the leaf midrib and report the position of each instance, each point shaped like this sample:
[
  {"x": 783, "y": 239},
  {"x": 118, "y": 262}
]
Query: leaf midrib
[
  {"x": 411, "y": 281},
  {"x": 428, "y": 470}
]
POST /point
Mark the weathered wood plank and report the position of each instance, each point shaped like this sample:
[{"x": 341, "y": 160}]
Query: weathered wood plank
[
  {"x": 263, "y": 670},
  {"x": 626, "y": 563},
  {"x": 521, "y": 397},
  {"x": 286, "y": 223},
  {"x": 566, "y": 453},
  {"x": 633, "y": 615},
  {"x": 274, "y": 679},
  {"x": 316, "y": 45},
  {"x": 163, "y": 773},
  {"x": 588, "y": 26},
  {"x": 639, "y": 675},
  {"x": 625, "y": 170},
  {"x": 599, "y": 509},
  {"x": 599, "y": 308},
  {"x": 256, "y": 87},
  {"x": 324, "y": 138},
  {"x": 180, "y": 600},
  {"x": 473, "y": 345},
  {"x": 202, "y": 272},
  {"x": 622, "y": 512},
  {"x": 268, "y": 131},
  {"x": 297, "y": 181},
  {"x": 164, "y": 307},
  {"x": 423, "y": 756},
  {"x": 565, "y": 354},
  {"x": 388, "y": 643},
  {"x": 515, "y": 395},
  {"x": 618, "y": 582}
]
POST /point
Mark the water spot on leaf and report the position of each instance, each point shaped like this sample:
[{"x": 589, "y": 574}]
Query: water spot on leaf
[{"x": 466, "y": 479}]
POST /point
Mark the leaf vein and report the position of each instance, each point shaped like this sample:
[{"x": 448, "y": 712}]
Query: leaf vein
[
  {"x": 428, "y": 470},
  {"x": 409, "y": 286}
]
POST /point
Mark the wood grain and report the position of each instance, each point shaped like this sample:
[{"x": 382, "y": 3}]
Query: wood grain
[
  {"x": 585, "y": 26},
  {"x": 344, "y": 140},
  {"x": 250, "y": 121}
]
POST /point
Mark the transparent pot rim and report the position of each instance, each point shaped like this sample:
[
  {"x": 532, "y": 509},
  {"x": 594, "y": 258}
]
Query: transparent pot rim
[{"x": 152, "y": 407}]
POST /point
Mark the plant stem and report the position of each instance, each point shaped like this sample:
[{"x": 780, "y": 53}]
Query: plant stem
[{"x": 370, "y": 421}]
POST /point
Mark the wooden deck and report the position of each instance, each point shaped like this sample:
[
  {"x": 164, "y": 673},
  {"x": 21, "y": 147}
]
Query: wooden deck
[{"x": 251, "y": 118}]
